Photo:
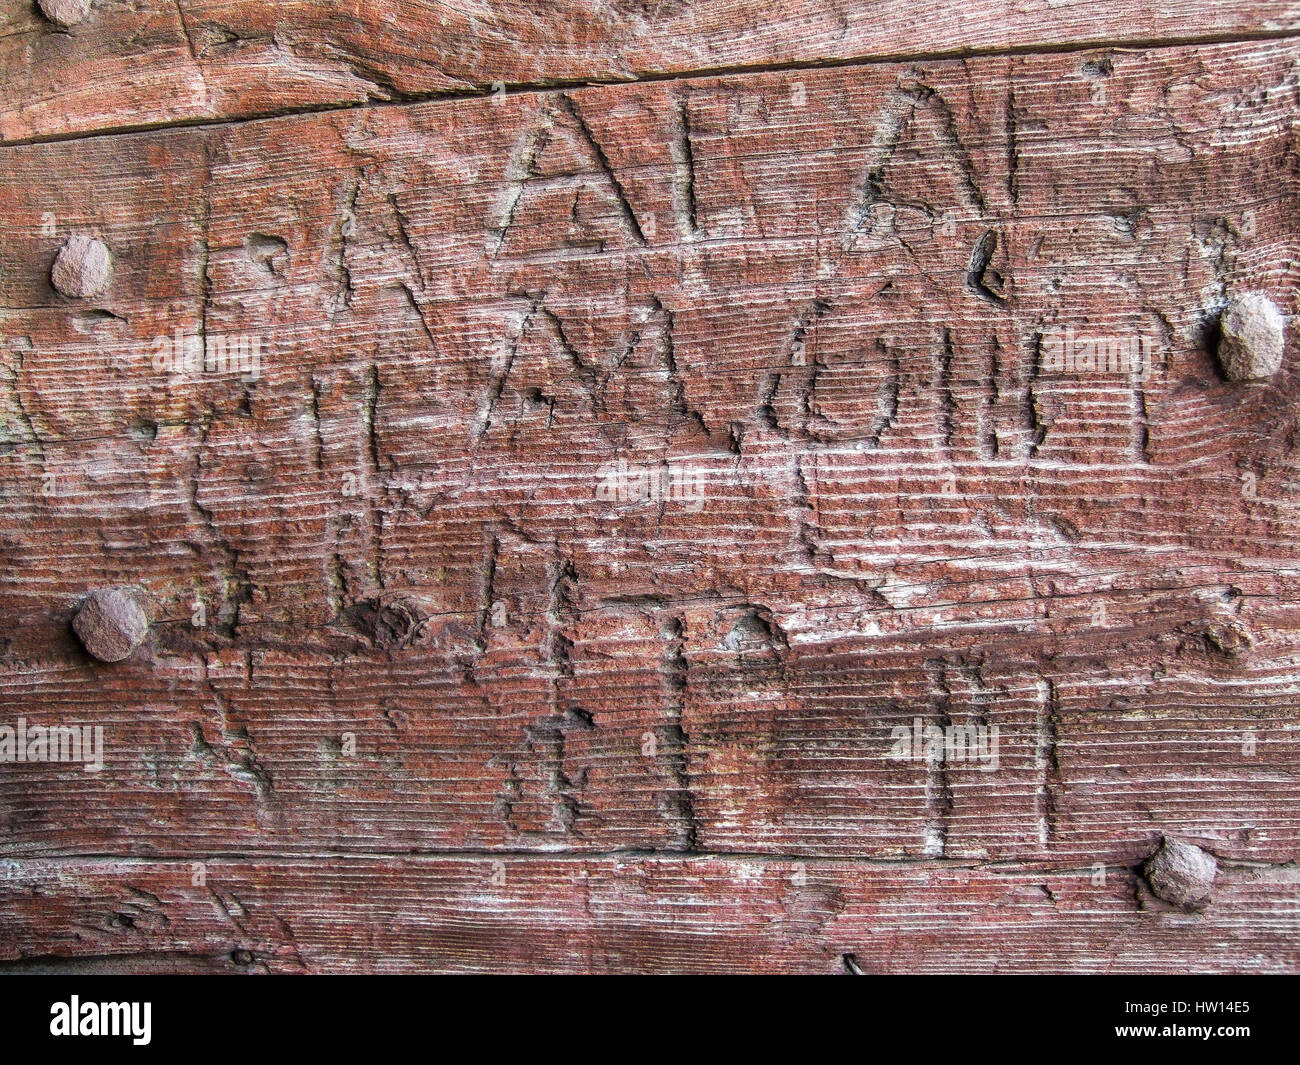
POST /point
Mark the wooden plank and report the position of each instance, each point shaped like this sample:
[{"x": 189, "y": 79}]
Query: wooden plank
[
  {"x": 633, "y": 914},
  {"x": 621, "y": 473},
  {"x": 164, "y": 61},
  {"x": 278, "y": 753},
  {"x": 782, "y": 290}
]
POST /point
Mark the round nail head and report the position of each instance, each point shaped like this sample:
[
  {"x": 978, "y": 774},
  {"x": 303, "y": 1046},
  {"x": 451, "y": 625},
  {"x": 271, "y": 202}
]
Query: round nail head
[
  {"x": 1181, "y": 873},
  {"x": 82, "y": 268},
  {"x": 111, "y": 624},
  {"x": 1252, "y": 335},
  {"x": 66, "y": 12}
]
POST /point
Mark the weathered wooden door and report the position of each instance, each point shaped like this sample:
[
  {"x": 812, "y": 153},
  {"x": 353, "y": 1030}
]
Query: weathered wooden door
[{"x": 608, "y": 486}]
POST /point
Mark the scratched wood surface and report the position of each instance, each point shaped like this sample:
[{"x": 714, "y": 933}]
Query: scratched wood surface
[
  {"x": 151, "y": 62},
  {"x": 632, "y": 913},
  {"x": 420, "y": 695}
]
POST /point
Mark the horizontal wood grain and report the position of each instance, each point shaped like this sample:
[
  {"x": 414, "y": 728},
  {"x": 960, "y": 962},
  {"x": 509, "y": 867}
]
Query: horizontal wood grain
[
  {"x": 628, "y": 914},
  {"x": 279, "y": 753},
  {"x": 154, "y": 62},
  {"x": 439, "y": 392},
  {"x": 402, "y": 631}
]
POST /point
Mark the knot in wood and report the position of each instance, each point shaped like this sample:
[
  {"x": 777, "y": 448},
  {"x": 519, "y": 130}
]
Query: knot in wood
[{"x": 403, "y": 619}]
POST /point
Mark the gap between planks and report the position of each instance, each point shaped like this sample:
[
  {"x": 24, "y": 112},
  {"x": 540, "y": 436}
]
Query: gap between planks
[{"x": 1007, "y": 865}]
